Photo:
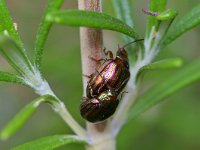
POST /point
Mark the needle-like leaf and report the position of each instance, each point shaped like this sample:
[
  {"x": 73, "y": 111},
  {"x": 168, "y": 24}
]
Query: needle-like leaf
[
  {"x": 50, "y": 142},
  {"x": 90, "y": 19},
  {"x": 169, "y": 86},
  {"x": 18, "y": 121},
  {"x": 44, "y": 30}
]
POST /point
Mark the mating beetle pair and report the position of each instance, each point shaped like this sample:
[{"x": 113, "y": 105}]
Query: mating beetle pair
[{"x": 104, "y": 87}]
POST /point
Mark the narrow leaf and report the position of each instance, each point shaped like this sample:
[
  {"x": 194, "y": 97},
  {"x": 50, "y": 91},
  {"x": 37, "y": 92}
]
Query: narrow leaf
[
  {"x": 7, "y": 77},
  {"x": 185, "y": 23},
  {"x": 155, "y": 6},
  {"x": 168, "y": 14},
  {"x": 50, "y": 142},
  {"x": 169, "y": 86},
  {"x": 162, "y": 64},
  {"x": 123, "y": 12},
  {"x": 44, "y": 30},
  {"x": 17, "y": 122},
  {"x": 90, "y": 19},
  {"x": 7, "y": 24},
  {"x": 13, "y": 53}
]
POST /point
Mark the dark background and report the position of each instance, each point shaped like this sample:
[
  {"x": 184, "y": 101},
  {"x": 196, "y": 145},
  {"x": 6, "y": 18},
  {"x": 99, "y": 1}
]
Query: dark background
[{"x": 171, "y": 125}]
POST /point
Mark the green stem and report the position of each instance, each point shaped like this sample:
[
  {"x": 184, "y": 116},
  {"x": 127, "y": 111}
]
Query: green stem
[{"x": 66, "y": 116}]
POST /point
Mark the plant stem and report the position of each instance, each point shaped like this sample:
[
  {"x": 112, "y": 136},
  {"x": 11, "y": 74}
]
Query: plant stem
[
  {"x": 99, "y": 134},
  {"x": 122, "y": 112},
  {"x": 44, "y": 89},
  {"x": 66, "y": 116},
  {"x": 41, "y": 87}
]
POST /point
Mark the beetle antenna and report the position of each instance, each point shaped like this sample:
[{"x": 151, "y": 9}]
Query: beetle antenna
[{"x": 132, "y": 43}]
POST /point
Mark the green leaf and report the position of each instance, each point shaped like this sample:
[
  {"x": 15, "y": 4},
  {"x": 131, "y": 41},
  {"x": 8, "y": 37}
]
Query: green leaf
[
  {"x": 155, "y": 6},
  {"x": 169, "y": 86},
  {"x": 7, "y": 24},
  {"x": 123, "y": 12},
  {"x": 162, "y": 64},
  {"x": 13, "y": 53},
  {"x": 43, "y": 31},
  {"x": 168, "y": 14},
  {"x": 90, "y": 19},
  {"x": 7, "y": 77},
  {"x": 185, "y": 23},
  {"x": 50, "y": 142},
  {"x": 17, "y": 122}
]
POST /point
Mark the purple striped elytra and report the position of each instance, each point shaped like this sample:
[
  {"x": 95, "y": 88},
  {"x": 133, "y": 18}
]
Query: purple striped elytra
[{"x": 112, "y": 74}]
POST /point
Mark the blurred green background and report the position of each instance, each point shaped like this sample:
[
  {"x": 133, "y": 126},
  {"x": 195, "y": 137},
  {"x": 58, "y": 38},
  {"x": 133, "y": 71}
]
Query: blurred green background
[{"x": 171, "y": 125}]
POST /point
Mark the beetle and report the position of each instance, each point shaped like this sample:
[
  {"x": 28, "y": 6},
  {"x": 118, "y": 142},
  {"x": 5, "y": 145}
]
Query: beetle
[
  {"x": 113, "y": 72},
  {"x": 104, "y": 87},
  {"x": 99, "y": 108}
]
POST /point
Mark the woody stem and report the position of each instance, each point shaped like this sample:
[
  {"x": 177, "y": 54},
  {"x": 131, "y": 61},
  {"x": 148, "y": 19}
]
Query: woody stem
[{"x": 99, "y": 134}]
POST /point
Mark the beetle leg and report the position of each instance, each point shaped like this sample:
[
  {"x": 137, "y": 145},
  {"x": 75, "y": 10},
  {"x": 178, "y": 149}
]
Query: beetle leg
[
  {"x": 121, "y": 95},
  {"x": 96, "y": 60},
  {"x": 108, "y": 53},
  {"x": 88, "y": 76},
  {"x": 91, "y": 91},
  {"x": 101, "y": 87}
]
